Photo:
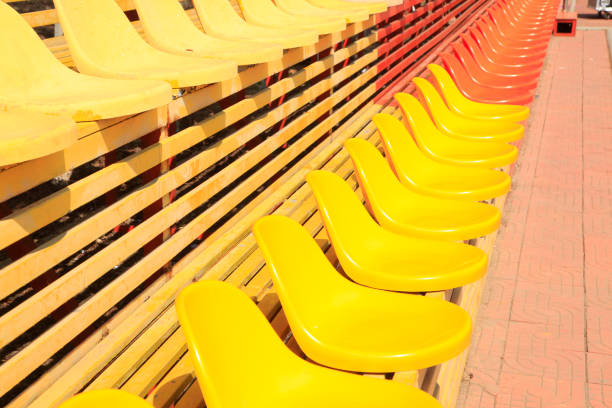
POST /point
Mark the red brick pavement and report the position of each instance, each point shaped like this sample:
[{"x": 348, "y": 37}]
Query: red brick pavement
[{"x": 543, "y": 337}]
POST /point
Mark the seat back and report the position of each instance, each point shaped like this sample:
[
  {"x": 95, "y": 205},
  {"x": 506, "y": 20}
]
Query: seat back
[
  {"x": 472, "y": 46},
  {"x": 261, "y": 9},
  {"x": 214, "y": 12},
  {"x": 431, "y": 97},
  {"x": 98, "y": 32},
  {"x": 27, "y": 61},
  {"x": 468, "y": 61},
  {"x": 482, "y": 42},
  {"x": 230, "y": 342},
  {"x": 457, "y": 71},
  {"x": 415, "y": 115},
  {"x": 374, "y": 174},
  {"x": 445, "y": 84},
  {"x": 402, "y": 152},
  {"x": 166, "y": 22},
  {"x": 343, "y": 214},
  {"x": 299, "y": 269}
]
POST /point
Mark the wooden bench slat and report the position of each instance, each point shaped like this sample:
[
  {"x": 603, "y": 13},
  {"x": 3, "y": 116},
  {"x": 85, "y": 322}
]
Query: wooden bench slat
[
  {"x": 27, "y": 268},
  {"x": 43, "y": 347}
]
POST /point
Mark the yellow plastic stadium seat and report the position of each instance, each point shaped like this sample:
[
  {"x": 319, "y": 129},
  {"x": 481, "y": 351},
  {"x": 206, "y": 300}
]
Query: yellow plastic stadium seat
[
  {"x": 450, "y": 150},
  {"x": 105, "y": 399},
  {"x": 241, "y": 362},
  {"x": 399, "y": 209},
  {"x": 104, "y": 43},
  {"x": 265, "y": 13},
  {"x": 460, "y": 127},
  {"x": 304, "y": 8},
  {"x": 340, "y": 324},
  {"x": 219, "y": 19},
  {"x": 422, "y": 174},
  {"x": 389, "y": 2},
  {"x": 27, "y": 135},
  {"x": 33, "y": 79},
  {"x": 168, "y": 28},
  {"x": 471, "y": 109},
  {"x": 370, "y": 7},
  {"x": 376, "y": 257}
]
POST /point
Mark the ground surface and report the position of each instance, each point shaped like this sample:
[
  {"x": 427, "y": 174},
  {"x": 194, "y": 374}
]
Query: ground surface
[{"x": 544, "y": 332}]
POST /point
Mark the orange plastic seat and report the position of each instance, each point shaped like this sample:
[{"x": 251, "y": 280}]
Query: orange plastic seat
[
  {"x": 504, "y": 52},
  {"x": 33, "y": 79},
  {"x": 241, "y": 362},
  {"x": 499, "y": 54},
  {"x": 488, "y": 63},
  {"x": 26, "y": 135},
  {"x": 422, "y": 174},
  {"x": 401, "y": 209},
  {"x": 219, "y": 19},
  {"x": 449, "y": 150},
  {"x": 381, "y": 259},
  {"x": 168, "y": 27},
  {"x": 457, "y": 102},
  {"x": 104, "y": 43},
  {"x": 483, "y": 93},
  {"x": 487, "y": 74},
  {"x": 455, "y": 125},
  {"x": 340, "y": 324},
  {"x": 105, "y": 399},
  {"x": 266, "y": 14}
]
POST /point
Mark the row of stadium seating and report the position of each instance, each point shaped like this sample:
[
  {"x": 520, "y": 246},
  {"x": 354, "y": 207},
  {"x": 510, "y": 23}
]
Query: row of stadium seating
[{"x": 433, "y": 187}]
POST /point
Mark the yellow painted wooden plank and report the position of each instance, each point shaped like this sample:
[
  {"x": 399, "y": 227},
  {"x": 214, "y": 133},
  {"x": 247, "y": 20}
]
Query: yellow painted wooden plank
[
  {"x": 51, "y": 340},
  {"x": 48, "y": 17},
  {"x": 96, "y": 139},
  {"x": 87, "y": 367},
  {"x": 307, "y": 207},
  {"x": 60, "y": 368}
]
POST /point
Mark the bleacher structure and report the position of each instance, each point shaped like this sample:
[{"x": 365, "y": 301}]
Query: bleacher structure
[{"x": 143, "y": 140}]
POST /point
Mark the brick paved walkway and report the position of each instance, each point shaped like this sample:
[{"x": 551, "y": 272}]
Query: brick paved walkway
[{"x": 543, "y": 337}]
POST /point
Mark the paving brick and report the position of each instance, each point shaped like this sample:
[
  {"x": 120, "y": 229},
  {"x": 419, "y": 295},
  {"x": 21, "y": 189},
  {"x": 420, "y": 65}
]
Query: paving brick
[
  {"x": 600, "y": 396},
  {"x": 599, "y": 368},
  {"x": 599, "y": 330},
  {"x": 552, "y": 258},
  {"x": 488, "y": 344},
  {"x": 534, "y": 391}
]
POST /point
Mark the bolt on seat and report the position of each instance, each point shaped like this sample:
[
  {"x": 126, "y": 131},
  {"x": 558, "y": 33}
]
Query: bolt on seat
[
  {"x": 373, "y": 256},
  {"x": 403, "y": 210},
  {"x": 104, "y": 43},
  {"x": 449, "y": 150},
  {"x": 370, "y": 7},
  {"x": 422, "y": 174},
  {"x": 27, "y": 135},
  {"x": 266, "y": 14},
  {"x": 457, "y": 102},
  {"x": 105, "y": 399},
  {"x": 457, "y": 126},
  {"x": 34, "y": 80},
  {"x": 219, "y": 19},
  {"x": 340, "y": 324},
  {"x": 168, "y": 27},
  {"x": 240, "y": 361},
  {"x": 304, "y": 8}
]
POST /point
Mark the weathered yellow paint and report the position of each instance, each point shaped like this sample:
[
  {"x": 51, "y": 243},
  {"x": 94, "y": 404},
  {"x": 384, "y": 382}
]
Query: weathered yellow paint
[{"x": 33, "y": 79}]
